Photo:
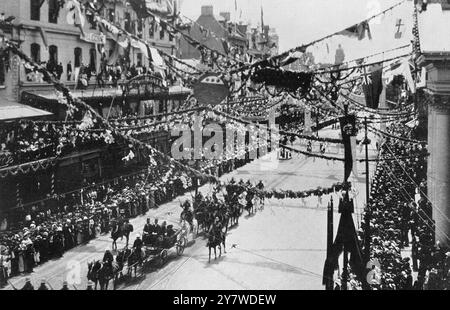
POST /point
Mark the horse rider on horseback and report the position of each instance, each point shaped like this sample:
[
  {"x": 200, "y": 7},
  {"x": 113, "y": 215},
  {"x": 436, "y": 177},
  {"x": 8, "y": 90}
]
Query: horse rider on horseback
[
  {"x": 187, "y": 214},
  {"x": 216, "y": 228}
]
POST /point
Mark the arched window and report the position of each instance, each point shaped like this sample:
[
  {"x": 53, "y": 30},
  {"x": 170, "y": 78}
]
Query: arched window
[
  {"x": 78, "y": 57},
  {"x": 53, "y": 11},
  {"x": 53, "y": 55},
  {"x": 35, "y": 9},
  {"x": 36, "y": 52}
]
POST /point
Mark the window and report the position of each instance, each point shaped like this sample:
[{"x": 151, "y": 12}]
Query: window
[
  {"x": 140, "y": 28},
  {"x": 53, "y": 55},
  {"x": 78, "y": 57},
  {"x": 127, "y": 24},
  {"x": 151, "y": 29},
  {"x": 161, "y": 34},
  {"x": 53, "y": 11},
  {"x": 36, "y": 52},
  {"x": 139, "y": 59},
  {"x": 92, "y": 59},
  {"x": 170, "y": 37},
  {"x": 35, "y": 9},
  {"x": 111, "y": 15}
]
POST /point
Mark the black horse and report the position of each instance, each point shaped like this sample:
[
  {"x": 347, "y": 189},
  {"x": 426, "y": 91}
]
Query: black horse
[
  {"x": 100, "y": 273},
  {"x": 235, "y": 213},
  {"x": 134, "y": 260},
  {"x": 216, "y": 238},
  {"x": 119, "y": 231},
  {"x": 249, "y": 202}
]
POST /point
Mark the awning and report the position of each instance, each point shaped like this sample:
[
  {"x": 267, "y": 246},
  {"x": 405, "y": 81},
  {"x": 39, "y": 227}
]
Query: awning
[{"x": 10, "y": 110}]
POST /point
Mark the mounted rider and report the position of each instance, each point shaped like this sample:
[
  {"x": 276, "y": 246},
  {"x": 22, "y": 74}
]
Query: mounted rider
[
  {"x": 217, "y": 228},
  {"x": 187, "y": 213}
]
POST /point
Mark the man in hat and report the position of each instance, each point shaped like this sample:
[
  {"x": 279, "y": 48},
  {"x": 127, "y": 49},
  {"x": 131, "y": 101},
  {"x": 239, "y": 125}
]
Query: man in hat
[
  {"x": 28, "y": 286},
  {"x": 65, "y": 286},
  {"x": 137, "y": 245},
  {"x": 148, "y": 229},
  {"x": 43, "y": 286}
]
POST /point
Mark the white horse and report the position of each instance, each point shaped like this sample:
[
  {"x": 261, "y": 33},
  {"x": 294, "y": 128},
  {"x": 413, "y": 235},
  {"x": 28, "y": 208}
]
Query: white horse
[{"x": 187, "y": 229}]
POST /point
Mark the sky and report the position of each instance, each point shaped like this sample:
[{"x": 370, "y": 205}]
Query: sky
[{"x": 300, "y": 21}]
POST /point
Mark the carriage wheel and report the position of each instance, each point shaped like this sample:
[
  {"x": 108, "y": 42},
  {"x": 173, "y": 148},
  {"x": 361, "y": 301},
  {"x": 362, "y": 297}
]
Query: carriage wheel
[
  {"x": 181, "y": 245},
  {"x": 162, "y": 257}
]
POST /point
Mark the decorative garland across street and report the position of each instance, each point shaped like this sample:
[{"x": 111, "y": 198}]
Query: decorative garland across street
[
  {"x": 281, "y": 132},
  {"x": 284, "y": 194},
  {"x": 359, "y": 160}
]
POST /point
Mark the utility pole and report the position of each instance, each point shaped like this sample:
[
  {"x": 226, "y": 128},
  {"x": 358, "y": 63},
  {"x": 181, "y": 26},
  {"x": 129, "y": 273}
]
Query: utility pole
[
  {"x": 317, "y": 122},
  {"x": 329, "y": 281},
  {"x": 367, "y": 214}
]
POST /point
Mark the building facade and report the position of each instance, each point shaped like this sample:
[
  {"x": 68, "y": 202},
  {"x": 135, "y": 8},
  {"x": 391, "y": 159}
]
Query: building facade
[
  {"x": 46, "y": 32},
  {"x": 434, "y": 23},
  {"x": 220, "y": 33}
]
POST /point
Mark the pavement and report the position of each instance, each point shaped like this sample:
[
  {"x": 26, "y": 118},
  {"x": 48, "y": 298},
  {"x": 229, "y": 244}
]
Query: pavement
[{"x": 281, "y": 247}]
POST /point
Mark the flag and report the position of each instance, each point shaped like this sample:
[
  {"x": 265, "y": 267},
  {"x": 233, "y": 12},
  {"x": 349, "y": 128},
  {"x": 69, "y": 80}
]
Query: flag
[
  {"x": 401, "y": 67},
  {"x": 156, "y": 57},
  {"x": 348, "y": 130},
  {"x": 262, "y": 19},
  {"x": 358, "y": 31},
  {"x": 44, "y": 37},
  {"x": 115, "y": 55},
  {"x": 354, "y": 160},
  {"x": 226, "y": 48},
  {"x": 81, "y": 30},
  {"x": 373, "y": 86},
  {"x": 398, "y": 26},
  {"x": 292, "y": 57}
]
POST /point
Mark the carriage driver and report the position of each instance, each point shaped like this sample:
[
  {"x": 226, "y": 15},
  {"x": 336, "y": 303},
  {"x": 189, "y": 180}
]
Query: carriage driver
[
  {"x": 137, "y": 245},
  {"x": 148, "y": 229},
  {"x": 108, "y": 258}
]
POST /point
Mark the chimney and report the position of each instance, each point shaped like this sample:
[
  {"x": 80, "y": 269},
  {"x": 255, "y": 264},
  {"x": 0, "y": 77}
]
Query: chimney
[
  {"x": 226, "y": 15},
  {"x": 207, "y": 10}
]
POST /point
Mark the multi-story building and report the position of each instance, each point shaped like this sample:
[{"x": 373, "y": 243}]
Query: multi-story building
[
  {"x": 47, "y": 33},
  {"x": 216, "y": 32}
]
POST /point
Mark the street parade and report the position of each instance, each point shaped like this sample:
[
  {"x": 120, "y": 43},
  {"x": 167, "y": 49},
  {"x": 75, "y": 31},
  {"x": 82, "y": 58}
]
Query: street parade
[{"x": 224, "y": 145}]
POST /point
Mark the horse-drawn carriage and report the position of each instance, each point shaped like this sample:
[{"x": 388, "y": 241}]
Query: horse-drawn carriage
[{"x": 156, "y": 248}]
